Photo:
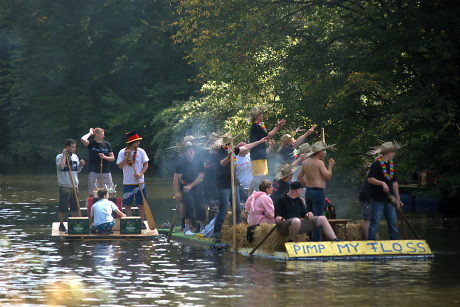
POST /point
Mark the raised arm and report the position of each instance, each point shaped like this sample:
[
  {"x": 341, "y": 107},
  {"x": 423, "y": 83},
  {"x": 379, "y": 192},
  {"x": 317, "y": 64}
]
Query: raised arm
[
  {"x": 84, "y": 139},
  {"x": 278, "y": 126},
  {"x": 245, "y": 149},
  {"x": 303, "y": 136}
]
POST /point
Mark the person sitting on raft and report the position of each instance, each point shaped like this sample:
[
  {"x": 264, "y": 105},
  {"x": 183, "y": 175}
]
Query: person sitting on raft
[
  {"x": 260, "y": 206},
  {"x": 291, "y": 213},
  {"x": 101, "y": 213}
]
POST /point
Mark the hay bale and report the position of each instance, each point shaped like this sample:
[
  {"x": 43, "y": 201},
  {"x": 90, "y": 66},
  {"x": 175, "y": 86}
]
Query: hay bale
[
  {"x": 228, "y": 218},
  {"x": 274, "y": 243}
]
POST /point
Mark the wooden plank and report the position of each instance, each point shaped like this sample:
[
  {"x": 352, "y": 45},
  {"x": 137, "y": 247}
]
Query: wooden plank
[
  {"x": 116, "y": 233},
  {"x": 358, "y": 248}
]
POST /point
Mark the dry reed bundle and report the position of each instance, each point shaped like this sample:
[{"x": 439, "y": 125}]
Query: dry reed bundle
[{"x": 274, "y": 243}]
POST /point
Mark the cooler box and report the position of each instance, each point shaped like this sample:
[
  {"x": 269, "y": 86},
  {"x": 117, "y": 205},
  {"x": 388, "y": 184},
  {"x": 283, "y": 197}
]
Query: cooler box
[
  {"x": 92, "y": 200},
  {"x": 78, "y": 226},
  {"x": 130, "y": 225}
]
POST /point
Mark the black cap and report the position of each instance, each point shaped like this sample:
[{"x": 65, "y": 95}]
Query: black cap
[{"x": 296, "y": 185}]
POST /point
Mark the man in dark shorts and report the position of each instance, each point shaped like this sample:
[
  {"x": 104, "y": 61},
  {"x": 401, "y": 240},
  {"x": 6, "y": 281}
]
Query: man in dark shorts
[
  {"x": 188, "y": 175},
  {"x": 291, "y": 213},
  {"x": 67, "y": 198},
  {"x": 99, "y": 152}
]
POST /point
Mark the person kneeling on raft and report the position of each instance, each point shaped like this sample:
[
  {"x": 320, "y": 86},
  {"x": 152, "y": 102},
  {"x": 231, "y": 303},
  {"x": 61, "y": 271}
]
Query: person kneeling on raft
[
  {"x": 102, "y": 213},
  {"x": 293, "y": 217}
]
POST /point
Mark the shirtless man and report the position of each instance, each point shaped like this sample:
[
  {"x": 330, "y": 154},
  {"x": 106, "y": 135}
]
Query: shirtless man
[{"x": 313, "y": 175}]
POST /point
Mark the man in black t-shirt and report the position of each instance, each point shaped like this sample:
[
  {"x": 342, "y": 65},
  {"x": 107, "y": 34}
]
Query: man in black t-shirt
[
  {"x": 188, "y": 175},
  {"x": 259, "y": 153},
  {"x": 382, "y": 179},
  {"x": 100, "y": 154},
  {"x": 222, "y": 156},
  {"x": 294, "y": 218}
]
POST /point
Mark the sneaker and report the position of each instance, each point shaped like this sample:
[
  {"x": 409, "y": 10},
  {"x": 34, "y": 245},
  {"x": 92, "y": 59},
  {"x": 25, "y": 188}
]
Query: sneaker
[
  {"x": 62, "y": 227},
  {"x": 188, "y": 232}
]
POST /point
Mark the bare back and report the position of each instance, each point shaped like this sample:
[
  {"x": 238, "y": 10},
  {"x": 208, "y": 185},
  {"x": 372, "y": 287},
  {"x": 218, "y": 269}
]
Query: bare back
[{"x": 313, "y": 170}]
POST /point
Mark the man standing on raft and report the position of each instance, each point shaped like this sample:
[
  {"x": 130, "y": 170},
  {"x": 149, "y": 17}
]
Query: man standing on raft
[
  {"x": 133, "y": 176},
  {"x": 67, "y": 195},
  {"x": 313, "y": 175},
  {"x": 259, "y": 153},
  {"x": 383, "y": 181},
  {"x": 100, "y": 153}
]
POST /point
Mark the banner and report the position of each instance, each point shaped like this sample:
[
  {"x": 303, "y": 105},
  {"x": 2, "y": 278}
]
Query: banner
[{"x": 357, "y": 248}]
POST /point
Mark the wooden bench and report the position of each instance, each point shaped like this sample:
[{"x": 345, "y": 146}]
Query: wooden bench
[{"x": 337, "y": 224}]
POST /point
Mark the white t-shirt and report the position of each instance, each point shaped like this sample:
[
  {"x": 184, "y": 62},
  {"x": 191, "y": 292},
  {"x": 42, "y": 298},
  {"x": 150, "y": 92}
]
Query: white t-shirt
[
  {"x": 102, "y": 211},
  {"x": 128, "y": 172},
  {"x": 243, "y": 170}
]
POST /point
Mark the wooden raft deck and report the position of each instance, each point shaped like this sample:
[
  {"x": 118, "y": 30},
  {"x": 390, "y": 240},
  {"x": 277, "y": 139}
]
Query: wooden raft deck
[{"x": 145, "y": 234}]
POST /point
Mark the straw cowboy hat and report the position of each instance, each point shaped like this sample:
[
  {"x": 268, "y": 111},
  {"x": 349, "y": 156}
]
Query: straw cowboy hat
[
  {"x": 256, "y": 111},
  {"x": 220, "y": 140},
  {"x": 285, "y": 170},
  {"x": 319, "y": 146},
  {"x": 303, "y": 149},
  {"x": 386, "y": 148}
]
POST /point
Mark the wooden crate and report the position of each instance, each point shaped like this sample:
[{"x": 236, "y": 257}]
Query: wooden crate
[
  {"x": 78, "y": 225},
  {"x": 130, "y": 225}
]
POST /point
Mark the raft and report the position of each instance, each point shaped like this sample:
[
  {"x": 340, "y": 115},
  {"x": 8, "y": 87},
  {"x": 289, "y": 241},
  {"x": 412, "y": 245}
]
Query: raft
[
  {"x": 145, "y": 234},
  {"x": 317, "y": 251}
]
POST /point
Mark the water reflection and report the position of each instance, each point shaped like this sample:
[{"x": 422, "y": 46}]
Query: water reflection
[{"x": 34, "y": 268}]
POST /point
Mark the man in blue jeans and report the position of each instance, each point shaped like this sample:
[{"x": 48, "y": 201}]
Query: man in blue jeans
[
  {"x": 313, "y": 175},
  {"x": 382, "y": 179},
  {"x": 223, "y": 178}
]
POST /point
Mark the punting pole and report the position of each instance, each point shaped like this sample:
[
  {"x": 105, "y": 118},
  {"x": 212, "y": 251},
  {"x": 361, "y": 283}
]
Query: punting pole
[
  {"x": 148, "y": 213},
  {"x": 234, "y": 204},
  {"x": 73, "y": 184}
]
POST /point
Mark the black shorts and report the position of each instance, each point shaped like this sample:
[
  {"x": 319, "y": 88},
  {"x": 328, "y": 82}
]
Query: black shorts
[
  {"x": 193, "y": 202},
  {"x": 67, "y": 200}
]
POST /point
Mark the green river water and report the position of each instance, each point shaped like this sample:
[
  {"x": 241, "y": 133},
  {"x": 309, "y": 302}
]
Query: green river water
[{"x": 36, "y": 269}]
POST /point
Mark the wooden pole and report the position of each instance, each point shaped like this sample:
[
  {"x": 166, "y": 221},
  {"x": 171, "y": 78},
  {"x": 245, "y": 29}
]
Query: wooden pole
[
  {"x": 173, "y": 221},
  {"x": 323, "y": 136},
  {"x": 73, "y": 185},
  {"x": 100, "y": 174},
  {"x": 234, "y": 204},
  {"x": 263, "y": 240},
  {"x": 148, "y": 213},
  {"x": 395, "y": 203}
]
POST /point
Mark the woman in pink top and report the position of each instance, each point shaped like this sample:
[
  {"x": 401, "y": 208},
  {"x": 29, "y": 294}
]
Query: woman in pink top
[{"x": 260, "y": 206}]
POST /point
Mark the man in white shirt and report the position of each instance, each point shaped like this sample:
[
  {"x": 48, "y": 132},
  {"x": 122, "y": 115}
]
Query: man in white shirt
[
  {"x": 133, "y": 160},
  {"x": 102, "y": 213}
]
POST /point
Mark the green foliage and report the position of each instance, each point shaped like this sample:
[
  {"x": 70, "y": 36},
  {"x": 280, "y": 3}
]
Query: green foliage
[
  {"x": 71, "y": 65},
  {"x": 367, "y": 71}
]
